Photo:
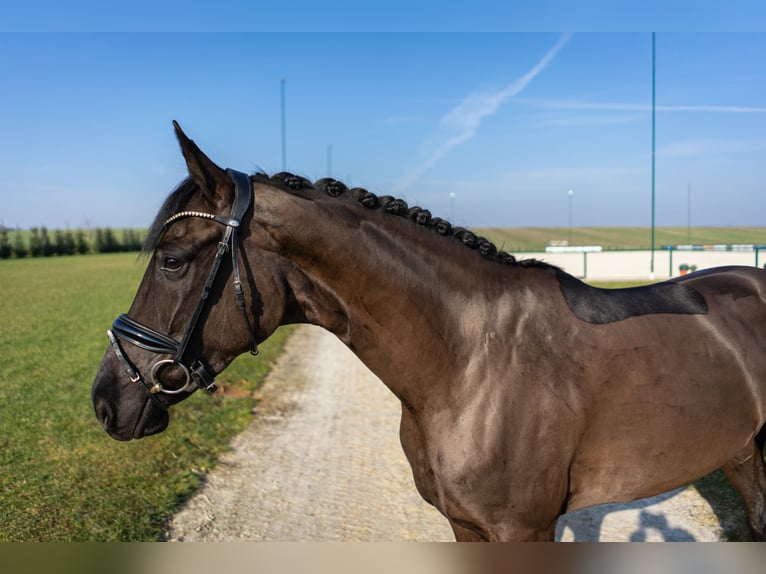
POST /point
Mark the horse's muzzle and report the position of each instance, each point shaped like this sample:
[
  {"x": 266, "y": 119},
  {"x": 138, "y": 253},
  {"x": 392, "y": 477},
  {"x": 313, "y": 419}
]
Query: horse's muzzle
[{"x": 125, "y": 411}]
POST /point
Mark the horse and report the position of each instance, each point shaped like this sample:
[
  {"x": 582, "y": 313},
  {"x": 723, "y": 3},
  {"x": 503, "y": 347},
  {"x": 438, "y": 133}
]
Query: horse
[{"x": 525, "y": 392}]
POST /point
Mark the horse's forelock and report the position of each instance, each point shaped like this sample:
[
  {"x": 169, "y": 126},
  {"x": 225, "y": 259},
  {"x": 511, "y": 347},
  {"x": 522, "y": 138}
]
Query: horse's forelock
[{"x": 174, "y": 203}]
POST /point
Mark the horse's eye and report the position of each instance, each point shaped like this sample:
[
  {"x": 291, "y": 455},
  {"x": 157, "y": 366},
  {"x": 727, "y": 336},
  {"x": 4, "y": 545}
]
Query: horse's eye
[{"x": 171, "y": 264}]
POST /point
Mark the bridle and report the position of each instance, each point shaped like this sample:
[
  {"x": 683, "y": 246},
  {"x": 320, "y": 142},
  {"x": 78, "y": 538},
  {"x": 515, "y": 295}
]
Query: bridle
[{"x": 126, "y": 329}]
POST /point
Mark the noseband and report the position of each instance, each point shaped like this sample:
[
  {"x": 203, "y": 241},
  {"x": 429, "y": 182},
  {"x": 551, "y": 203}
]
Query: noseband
[{"x": 126, "y": 329}]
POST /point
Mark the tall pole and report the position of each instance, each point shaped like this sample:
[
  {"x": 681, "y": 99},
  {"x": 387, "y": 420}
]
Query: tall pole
[
  {"x": 689, "y": 215},
  {"x": 282, "y": 105},
  {"x": 651, "y": 268}
]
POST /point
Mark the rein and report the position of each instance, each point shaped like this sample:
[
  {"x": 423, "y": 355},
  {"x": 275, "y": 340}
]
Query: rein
[{"x": 126, "y": 329}]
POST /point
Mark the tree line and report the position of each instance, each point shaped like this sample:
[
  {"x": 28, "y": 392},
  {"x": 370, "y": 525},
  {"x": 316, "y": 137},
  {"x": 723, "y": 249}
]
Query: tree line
[{"x": 39, "y": 242}]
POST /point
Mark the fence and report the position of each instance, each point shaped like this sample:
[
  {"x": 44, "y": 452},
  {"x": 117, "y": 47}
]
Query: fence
[{"x": 593, "y": 264}]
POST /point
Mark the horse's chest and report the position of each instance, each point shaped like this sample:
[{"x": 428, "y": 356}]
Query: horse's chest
[{"x": 489, "y": 449}]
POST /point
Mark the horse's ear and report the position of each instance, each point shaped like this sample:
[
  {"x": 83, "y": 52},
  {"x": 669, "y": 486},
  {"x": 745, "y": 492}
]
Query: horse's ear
[{"x": 211, "y": 179}]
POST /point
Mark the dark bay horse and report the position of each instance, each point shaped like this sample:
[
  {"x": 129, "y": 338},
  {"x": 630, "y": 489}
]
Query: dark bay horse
[{"x": 525, "y": 393}]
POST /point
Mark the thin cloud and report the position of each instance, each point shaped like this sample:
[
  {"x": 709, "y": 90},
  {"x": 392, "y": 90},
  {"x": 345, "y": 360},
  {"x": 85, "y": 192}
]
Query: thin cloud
[
  {"x": 467, "y": 116},
  {"x": 707, "y": 147},
  {"x": 630, "y": 107},
  {"x": 588, "y": 120},
  {"x": 576, "y": 173}
]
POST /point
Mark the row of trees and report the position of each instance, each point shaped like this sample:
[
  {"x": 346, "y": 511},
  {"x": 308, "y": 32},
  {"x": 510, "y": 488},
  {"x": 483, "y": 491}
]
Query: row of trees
[{"x": 39, "y": 242}]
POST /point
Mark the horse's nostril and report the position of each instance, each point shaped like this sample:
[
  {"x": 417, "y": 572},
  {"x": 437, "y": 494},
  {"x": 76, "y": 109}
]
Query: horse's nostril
[{"x": 103, "y": 412}]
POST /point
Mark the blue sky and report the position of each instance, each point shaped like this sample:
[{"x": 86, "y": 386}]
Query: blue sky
[{"x": 507, "y": 122}]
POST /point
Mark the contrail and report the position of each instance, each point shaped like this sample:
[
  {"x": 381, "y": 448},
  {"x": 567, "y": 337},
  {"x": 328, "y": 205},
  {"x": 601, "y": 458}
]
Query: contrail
[{"x": 467, "y": 116}]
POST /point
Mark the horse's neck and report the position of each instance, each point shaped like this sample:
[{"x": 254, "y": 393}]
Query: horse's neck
[{"x": 394, "y": 292}]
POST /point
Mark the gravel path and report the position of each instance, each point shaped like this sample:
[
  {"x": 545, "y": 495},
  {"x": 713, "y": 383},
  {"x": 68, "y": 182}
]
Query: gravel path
[{"x": 322, "y": 462}]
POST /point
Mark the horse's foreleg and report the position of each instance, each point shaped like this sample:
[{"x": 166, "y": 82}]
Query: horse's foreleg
[
  {"x": 747, "y": 474},
  {"x": 504, "y": 533},
  {"x": 463, "y": 534}
]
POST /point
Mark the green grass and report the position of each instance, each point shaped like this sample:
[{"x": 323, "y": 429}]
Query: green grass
[
  {"x": 62, "y": 477},
  {"x": 535, "y": 239}
]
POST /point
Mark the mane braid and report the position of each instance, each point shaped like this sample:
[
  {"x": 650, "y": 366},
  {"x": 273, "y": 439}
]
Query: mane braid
[
  {"x": 289, "y": 182},
  {"x": 418, "y": 215}
]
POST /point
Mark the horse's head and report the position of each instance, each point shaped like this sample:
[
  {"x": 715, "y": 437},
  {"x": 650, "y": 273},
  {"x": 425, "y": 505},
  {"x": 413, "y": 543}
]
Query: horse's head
[{"x": 187, "y": 321}]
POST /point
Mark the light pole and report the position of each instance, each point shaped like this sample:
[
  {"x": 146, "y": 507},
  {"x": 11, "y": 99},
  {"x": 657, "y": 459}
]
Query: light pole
[
  {"x": 452, "y": 207},
  {"x": 282, "y": 105},
  {"x": 570, "y": 193},
  {"x": 689, "y": 215},
  {"x": 651, "y": 265}
]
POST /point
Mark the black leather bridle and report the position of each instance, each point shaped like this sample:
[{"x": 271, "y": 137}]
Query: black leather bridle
[{"x": 126, "y": 329}]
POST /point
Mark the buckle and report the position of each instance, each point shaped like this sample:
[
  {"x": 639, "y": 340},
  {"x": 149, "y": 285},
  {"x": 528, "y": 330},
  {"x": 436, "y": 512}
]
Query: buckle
[{"x": 203, "y": 378}]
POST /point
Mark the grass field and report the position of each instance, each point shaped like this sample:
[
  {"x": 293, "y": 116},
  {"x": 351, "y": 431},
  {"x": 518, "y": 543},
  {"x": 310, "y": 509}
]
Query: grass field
[{"x": 62, "y": 477}]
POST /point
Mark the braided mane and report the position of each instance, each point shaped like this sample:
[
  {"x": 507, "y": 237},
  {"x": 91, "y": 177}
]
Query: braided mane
[
  {"x": 398, "y": 207},
  {"x": 288, "y": 182}
]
